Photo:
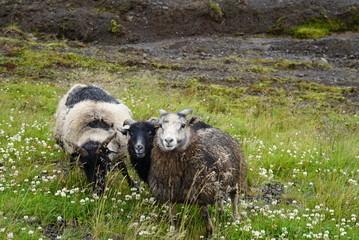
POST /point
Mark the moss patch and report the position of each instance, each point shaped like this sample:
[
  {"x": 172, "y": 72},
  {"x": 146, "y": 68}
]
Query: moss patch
[
  {"x": 310, "y": 32},
  {"x": 215, "y": 7},
  {"x": 318, "y": 27},
  {"x": 114, "y": 27}
]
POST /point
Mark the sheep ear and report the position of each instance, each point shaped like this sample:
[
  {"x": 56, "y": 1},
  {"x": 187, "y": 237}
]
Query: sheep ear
[
  {"x": 155, "y": 121},
  {"x": 186, "y": 112},
  {"x": 126, "y": 125},
  {"x": 104, "y": 144},
  {"x": 194, "y": 120},
  {"x": 129, "y": 122},
  {"x": 78, "y": 149},
  {"x": 162, "y": 112}
]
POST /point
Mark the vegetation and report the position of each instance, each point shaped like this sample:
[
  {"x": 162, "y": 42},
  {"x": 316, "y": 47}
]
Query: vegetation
[
  {"x": 215, "y": 7},
  {"x": 316, "y": 28},
  {"x": 114, "y": 26},
  {"x": 304, "y": 139},
  {"x": 319, "y": 27}
]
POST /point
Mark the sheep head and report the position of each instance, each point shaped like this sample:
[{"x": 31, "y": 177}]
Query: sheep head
[
  {"x": 174, "y": 129},
  {"x": 94, "y": 158},
  {"x": 141, "y": 135}
]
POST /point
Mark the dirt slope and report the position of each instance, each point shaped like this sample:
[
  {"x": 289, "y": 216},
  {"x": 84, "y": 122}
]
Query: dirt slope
[
  {"x": 244, "y": 61},
  {"x": 129, "y": 21}
]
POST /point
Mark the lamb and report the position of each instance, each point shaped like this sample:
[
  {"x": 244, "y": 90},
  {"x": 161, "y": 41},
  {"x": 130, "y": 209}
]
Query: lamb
[
  {"x": 87, "y": 121},
  {"x": 195, "y": 163},
  {"x": 140, "y": 141}
]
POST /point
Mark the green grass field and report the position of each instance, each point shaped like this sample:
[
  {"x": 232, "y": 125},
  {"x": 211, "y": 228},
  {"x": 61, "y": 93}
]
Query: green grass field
[{"x": 312, "y": 149}]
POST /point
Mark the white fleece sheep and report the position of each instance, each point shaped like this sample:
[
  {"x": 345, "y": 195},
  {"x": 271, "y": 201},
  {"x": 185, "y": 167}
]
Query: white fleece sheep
[{"x": 87, "y": 122}]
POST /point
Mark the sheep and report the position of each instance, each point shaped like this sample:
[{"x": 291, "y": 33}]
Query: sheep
[
  {"x": 139, "y": 147},
  {"x": 140, "y": 142},
  {"x": 87, "y": 121},
  {"x": 195, "y": 163}
]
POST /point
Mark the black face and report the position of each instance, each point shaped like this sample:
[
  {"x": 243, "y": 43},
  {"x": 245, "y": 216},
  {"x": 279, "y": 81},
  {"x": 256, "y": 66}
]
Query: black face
[
  {"x": 141, "y": 137},
  {"x": 95, "y": 165}
]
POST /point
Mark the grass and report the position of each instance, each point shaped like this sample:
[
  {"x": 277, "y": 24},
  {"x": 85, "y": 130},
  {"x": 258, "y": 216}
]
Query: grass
[{"x": 305, "y": 138}]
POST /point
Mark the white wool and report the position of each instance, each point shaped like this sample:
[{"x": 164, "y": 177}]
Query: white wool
[
  {"x": 85, "y": 112},
  {"x": 71, "y": 123},
  {"x": 61, "y": 112}
]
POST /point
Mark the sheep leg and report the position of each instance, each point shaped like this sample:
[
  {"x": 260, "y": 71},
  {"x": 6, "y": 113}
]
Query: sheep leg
[
  {"x": 173, "y": 213},
  {"x": 234, "y": 198},
  {"x": 207, "y": 220},
  {"x": 221, "y": 207}
]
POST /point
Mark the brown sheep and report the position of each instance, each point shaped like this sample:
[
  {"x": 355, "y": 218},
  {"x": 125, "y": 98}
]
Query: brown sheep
[{"x": 195, "y": 163}]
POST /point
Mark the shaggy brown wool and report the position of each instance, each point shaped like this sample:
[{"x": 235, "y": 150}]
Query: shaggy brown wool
[{"x": 212, "y": 165}]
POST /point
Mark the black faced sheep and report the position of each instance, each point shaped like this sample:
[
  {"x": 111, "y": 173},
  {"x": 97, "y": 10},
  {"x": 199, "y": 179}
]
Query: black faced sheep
[
  {"x": 140, "y": 142},
  {"x": 87, "y": 120},
  {"x": 195, "y": 163}
]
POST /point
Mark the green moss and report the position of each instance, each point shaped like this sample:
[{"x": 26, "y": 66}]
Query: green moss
[
  {"x": 277, "y": 90},
  {"x": 258, "y": 69},
  {"x": 14, "y": 30},
  {"x": 274, "y": 80},
  {"x": 64, "y": 27},
  {"x": 352, "y": 20},
  {"x": 319, "y": 95},
  {"x": 317, "y": 87},
  {"x": 220, "y": 90},
  {"x": 355, "y": 26},
  {"x": 278, "y": 28},
  {"x": 234, "y": 79},
  {"x": 116, "y": 7},
  {"x": 114, "y": 27},
  {"x": 46, "y": 60},
  {"x": 295, "y": 65},
  {"x": 318, "y": 27},
  {"x": 310, "y": 32},
  {"x": 215, "y": 7}
]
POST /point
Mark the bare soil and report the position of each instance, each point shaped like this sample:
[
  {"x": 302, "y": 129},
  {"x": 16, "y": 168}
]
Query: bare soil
[{"x": 242, "y": 61}]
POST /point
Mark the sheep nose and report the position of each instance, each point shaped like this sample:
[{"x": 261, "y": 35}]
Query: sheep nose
[
  {"x": 139, "y": 147},
  {"x": 168, "y": 140}
]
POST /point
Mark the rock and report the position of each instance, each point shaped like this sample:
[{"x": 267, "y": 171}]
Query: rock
[{"x": 323, "y": 61}]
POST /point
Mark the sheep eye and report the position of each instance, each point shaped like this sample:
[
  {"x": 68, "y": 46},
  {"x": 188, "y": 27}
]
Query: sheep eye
[
  {"x": 183, "y": 125},
  {"x": 131, "y": 134},
  {"x": 160, "y": 125}
]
